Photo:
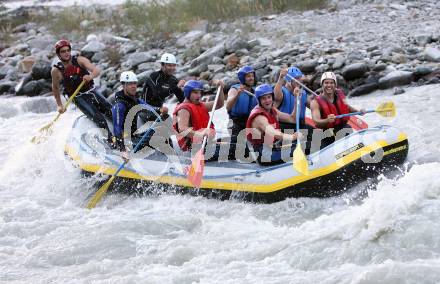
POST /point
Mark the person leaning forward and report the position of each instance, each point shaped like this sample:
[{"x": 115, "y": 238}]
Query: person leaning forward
[
  {"x": 70, "y": 71},
  {"x": 191, "y": 117},
  {"x": 263, "y": 129}
]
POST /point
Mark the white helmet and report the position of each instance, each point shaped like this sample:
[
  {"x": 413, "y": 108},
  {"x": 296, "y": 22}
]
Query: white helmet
[
  {"x": 168, "y": 58},
  {"x": 128, "y": 77},
  {"x": 329, "y": 75}
]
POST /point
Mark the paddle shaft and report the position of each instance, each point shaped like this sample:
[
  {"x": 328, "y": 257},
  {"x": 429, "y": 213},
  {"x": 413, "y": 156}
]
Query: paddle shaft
[
  {"x": 205, "y": 139},
  {"x": 354, "y": 113}
]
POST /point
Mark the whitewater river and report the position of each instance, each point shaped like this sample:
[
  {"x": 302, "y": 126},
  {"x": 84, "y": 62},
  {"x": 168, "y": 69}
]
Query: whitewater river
[{"x": 389, "y": 235}]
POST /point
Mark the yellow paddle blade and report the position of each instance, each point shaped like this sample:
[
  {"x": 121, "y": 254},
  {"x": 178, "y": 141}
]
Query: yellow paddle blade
[
  {"x": 99, "y": 194},
  {"x": 300, "y": 163},
  {"x": 386, "y": 109}
]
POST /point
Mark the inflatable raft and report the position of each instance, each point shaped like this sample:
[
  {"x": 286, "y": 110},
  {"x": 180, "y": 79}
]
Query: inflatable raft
[{"x": 363, "y": 154}]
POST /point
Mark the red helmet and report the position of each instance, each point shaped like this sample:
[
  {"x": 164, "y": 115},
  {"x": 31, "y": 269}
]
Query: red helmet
[{"x": 62, "y": 43}]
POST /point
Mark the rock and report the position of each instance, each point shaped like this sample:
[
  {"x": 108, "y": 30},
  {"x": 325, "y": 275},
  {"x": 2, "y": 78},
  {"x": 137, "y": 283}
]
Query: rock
[
  {"x": 189, "y": 38},
  {"x": 371, "y": 48},
  {"x": 46, "y": 42},
  {"x": 355, "y": 56},
  {"x": 356, "y": 70},
  {"x": 235, "y": 43},
  {"x": 231, "y": 61},
  {"x": 137, "y": 58},
  {"x": 339, "y": 62},
  {"x": 93, "y": 47},
  {"x": 216, "y": 68},
  {"x": 98, "y": 56},
  {"x": 398, "y": 91},
  {"x": 432, "y": 54},
  {"x": 41, "y": 70},
  {"x": 32, "y": 88},
  {"x": 307, "y": 66},
  {"x": 25, "y": 65},
  {"x": 262, "y": 41},
  {"x": 420, "y": 71},
  {"x": 395, "y": 78},
  {"x": 127, "y": 48},
  {"x": 198, "y": 69},
  {"x": 206, "y": 57},
  {"x": 260, "y": 73},
  {"x": 6, "y": 70},
  {"x": 399, "y": 58},
  {"x": 379, "y": 67},
  {"x": 6, "y": 86},
  {"x": 363, "y": 89},
  {"x": 423, "y": 39}
]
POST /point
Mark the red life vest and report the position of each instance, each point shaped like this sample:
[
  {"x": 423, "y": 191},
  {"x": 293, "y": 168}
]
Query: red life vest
[
  {"x": 271, "y": 117},
  {"x": 199, "y": 120},
  {"x": 327, "y": 108},
  {"x": 73, "y": 75}
]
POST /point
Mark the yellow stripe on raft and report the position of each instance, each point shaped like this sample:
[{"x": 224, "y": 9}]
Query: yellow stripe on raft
[{"x": 248, "y": 187}]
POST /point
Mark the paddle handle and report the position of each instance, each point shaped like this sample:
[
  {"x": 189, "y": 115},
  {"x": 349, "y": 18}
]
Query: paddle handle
[{"x": 354, "y": 113}]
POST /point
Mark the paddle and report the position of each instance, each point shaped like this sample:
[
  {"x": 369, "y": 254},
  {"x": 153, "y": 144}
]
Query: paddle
[
  {"x": 103, "y": 189},
  {"x": 300, "y": 163},
  {"x": 386, "y": 109},
  {"x": 46, "y": 130},
  {"x": 356, "y": 123},
  {"x": 195, "y": 171}
]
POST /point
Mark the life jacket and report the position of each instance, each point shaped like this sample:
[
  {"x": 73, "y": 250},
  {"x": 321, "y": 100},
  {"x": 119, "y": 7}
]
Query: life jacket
[
  {"x": 243, "y": 106},
  {"x": 120, "y": 109},
  {"x": 199, "y": 120},
  {"x": 288, "y": 103},
  {"x": 73, "y": 75},
  {"x": 271, "y": 117},
  {"x": 327, "y": 108}
]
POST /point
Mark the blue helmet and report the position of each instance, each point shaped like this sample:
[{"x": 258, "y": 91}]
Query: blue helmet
[
  {"x": 263, "y": 90},
  {"x": 242, "y": 73},
  {"x": 192, "y": 85},
  {"x": 293, "y": 72}
]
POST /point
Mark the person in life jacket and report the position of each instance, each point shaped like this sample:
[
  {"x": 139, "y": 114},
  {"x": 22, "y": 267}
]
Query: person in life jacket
[
  {"x": 240, "y": 100},
  {"x": 263, "y": 129},
  {"x": 330, "y": 103},
  {"x": 286, "y": 93},
  {"x": 69, "y": 72},
  {"x": 190, "y": 118},
  {"x": 125, "y": 100},
  {"x": 161, "y": 84}
]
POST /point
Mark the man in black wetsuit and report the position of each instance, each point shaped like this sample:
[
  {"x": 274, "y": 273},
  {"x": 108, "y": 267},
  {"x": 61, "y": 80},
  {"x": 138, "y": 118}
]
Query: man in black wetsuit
[{"x": 162, "y": 84}]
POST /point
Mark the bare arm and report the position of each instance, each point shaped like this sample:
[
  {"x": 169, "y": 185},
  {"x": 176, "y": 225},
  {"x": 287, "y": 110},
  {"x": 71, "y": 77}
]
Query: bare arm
[
  {"x": 285, "y": 117},
  {"x": 94, "y": 71},
  {"x": 221, "y": 98},
  {"x": 278, "y": 90},
  {"x": 262, "y": 124},
  {"x": 56, "y": 79},
  {"x": 232, "y": 98}
]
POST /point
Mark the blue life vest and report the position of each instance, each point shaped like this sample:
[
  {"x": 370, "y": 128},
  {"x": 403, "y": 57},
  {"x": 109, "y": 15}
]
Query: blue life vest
[
  {"x": 244, "y": 105},
  {"x": 288, "y": 103}
]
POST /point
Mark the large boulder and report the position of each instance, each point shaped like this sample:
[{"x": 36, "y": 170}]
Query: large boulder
[
  {"x": 41, "y": 70},
  {"x": 25, "y": 65},
  {"x": 432, "y": 54},
  {"x": 92, "y": 47},
  {"x": 206, "y": 57},
  {"x": 137, "y": 58},
  {"x": 395, "y": 78},
  {"x": 355, "y": 70}
]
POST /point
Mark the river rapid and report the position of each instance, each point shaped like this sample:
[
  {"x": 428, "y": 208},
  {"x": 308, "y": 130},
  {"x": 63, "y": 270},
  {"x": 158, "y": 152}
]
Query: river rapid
[{"x": 381, "y": 233}]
